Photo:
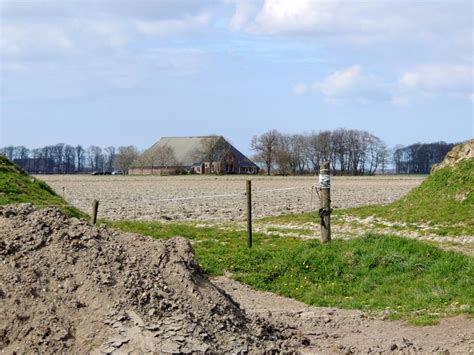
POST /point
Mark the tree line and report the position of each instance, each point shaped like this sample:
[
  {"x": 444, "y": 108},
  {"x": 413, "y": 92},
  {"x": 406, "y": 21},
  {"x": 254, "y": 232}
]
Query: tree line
[
  {"x": 67, "y": 159},
  {"x": 349, "y": 151},
  {"x": 419, "y": 158}
]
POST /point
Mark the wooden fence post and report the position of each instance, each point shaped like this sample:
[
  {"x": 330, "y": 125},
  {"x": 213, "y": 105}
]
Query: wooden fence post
[
  {"x": 325, "y": 202},
  {"x": 248, "y": 189},
  {"x": 95, "y": 209}
]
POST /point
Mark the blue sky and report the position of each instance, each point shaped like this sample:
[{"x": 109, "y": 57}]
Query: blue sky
[{"x": 110, "y": 72}]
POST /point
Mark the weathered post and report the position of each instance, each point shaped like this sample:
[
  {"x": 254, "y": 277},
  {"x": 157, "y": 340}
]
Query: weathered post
[
  {"x": 95, "y": 208},
  {"x": 248, "y": 186},
  {"x": 325, "y": 202}
]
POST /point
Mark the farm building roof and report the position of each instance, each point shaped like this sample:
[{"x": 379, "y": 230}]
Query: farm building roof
[{"x": 188, "y": 150}]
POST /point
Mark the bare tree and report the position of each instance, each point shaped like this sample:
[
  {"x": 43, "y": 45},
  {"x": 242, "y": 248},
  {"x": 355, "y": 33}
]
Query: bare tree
[
  {"x": 213, "y": 149},
  {"x": 125, "y": 157},
  {"x": 165, "y": 156},
  {"x": 316, "y": 151},
  {"x": 109, "y": 158},
  {"x": 9, "y": 152},
  {"x": 96, "y": 158},
  {"x": 80, "y": 157},
  {"x": 162, "y": 156},
  {"x": 265, "y": 147},
  {"x": 22, "y": 152},
  {"x": 283, "y": 154},
  {"x": 298, "y": 160},
  {"x": 58, "y": 156},
  {"x": 69, "y": 159}
]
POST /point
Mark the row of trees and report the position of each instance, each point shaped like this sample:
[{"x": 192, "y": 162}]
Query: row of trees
[
  {"x": 419, "y": 158},
  {"x": 66, "y": 159},
  {"x": 350, "y": 152}
]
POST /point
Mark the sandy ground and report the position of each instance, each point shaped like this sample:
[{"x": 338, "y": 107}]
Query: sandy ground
[
  {"x": 331, "y": 330},
  {"x": 218, "y": 198}
]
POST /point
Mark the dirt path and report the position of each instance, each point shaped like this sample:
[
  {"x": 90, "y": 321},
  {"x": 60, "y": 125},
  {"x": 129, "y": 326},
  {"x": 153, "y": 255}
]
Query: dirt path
[{"x": 349, "y": 331}]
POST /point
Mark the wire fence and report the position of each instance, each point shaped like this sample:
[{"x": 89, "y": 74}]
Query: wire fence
[{"x": 135, "y": 204}]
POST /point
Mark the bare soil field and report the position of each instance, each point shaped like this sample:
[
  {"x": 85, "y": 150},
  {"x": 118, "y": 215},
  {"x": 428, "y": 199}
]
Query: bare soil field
[{"x": 221, "y": 198}]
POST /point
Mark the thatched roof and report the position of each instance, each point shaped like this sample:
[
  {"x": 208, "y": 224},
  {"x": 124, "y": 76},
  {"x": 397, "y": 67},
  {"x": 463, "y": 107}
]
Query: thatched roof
[{"x": 190, "y": 151}]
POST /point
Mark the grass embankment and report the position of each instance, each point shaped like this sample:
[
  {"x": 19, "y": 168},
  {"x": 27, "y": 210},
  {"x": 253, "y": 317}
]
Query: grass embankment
[
  {"x": 445, "y": 199},
  {"x": 16, "y": 186},
  {"x": 442, "y": 205},
  {"x": 413, "y": 280}
]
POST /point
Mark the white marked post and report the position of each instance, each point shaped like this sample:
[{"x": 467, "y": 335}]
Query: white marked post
[{"x": 325, "y": 202}]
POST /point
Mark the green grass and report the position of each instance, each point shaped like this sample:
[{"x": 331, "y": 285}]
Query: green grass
[
  {"x": 296, "y": 218},
  {"x": 283, "y": 231},
  {"x": 16, "y": 186},
  {"x": 445, "y": 198},
  {"x": 444, "y": 202},
  {"x": 414, "y": 280}
]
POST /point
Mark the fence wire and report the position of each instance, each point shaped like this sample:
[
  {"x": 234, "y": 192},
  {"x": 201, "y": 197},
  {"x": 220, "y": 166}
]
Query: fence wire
[{"x": 136, "y": 203}]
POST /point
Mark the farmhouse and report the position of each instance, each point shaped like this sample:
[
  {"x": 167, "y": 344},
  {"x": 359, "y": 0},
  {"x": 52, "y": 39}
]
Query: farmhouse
[{"x": 194, "y": 155}]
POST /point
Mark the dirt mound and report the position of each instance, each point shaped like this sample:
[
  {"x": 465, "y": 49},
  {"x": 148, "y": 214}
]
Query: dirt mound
[
  {"x": 69, "y": 286},
  {"x": 458, "y": 153}
]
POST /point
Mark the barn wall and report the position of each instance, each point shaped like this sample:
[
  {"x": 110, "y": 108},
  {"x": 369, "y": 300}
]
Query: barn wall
[{"x": 152, "y": 171}]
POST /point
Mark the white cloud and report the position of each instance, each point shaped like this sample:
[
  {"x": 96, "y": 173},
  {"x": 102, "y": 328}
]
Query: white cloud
[
  {"x": 112, "y": 34},
  {"x": 340, "y": 83},
  {"x": 364, "y": 22},
  {"x": 422, "y": 82},
  {"x": 17, "y": 40},
  {"x": 438, "y": 77},
  {"x": 56, "y": 27},
  {"x": 48, "y": 40},
  {"x": 352, "y": 83},
  {"x": 245, "y": 10},
  {"x": 286, "y": 17},
  {"x": 429, "y": 81}
]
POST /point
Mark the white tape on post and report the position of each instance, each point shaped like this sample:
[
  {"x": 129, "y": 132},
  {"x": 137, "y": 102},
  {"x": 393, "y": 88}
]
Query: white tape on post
[{"x": 324, "y": 181}]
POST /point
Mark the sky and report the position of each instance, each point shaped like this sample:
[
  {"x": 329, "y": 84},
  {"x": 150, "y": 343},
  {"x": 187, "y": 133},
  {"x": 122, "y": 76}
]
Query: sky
[{"x": 123, "y": 72}]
